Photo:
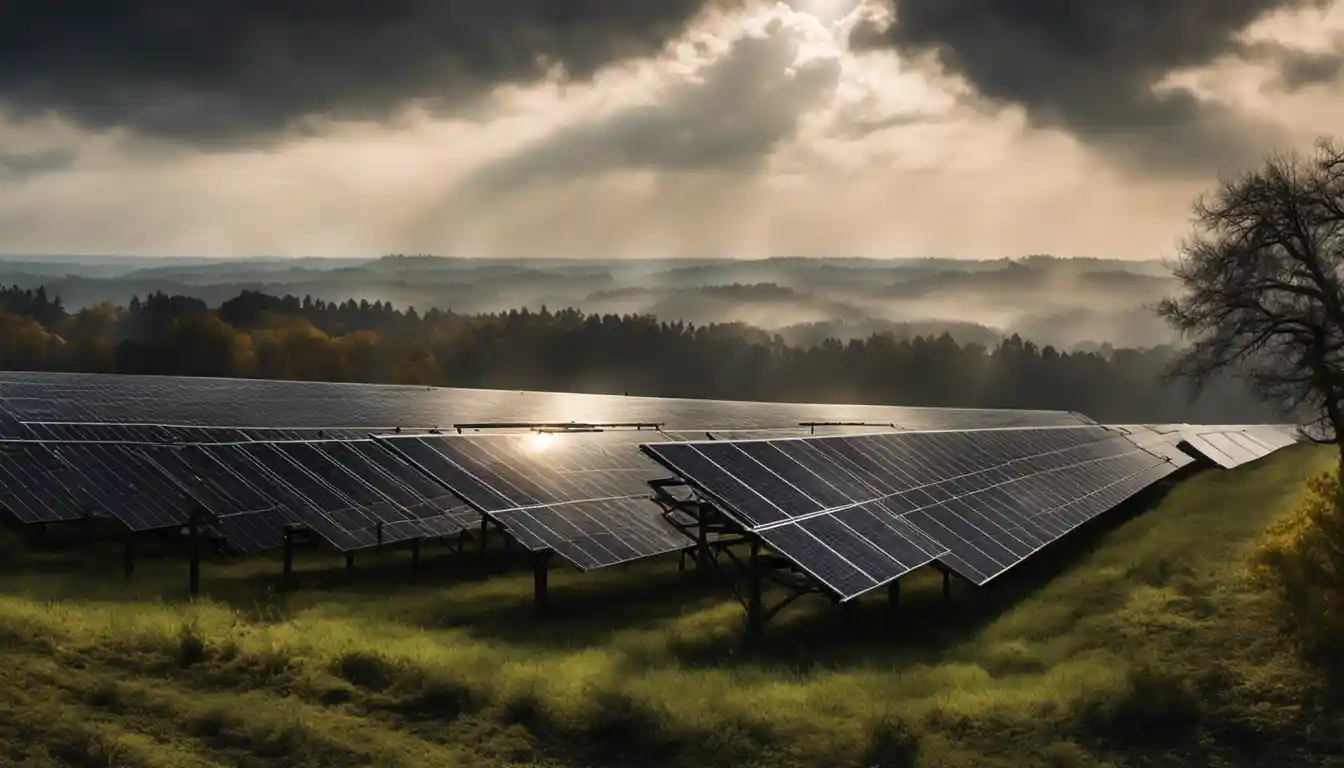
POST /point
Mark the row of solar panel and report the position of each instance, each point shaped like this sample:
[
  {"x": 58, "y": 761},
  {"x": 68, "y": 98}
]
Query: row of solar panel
[
  {"x": 56, "y": 397},
  {"x": 352, "y": 493},
  {"x": 854, "y": 511},
  {"x": 859, "y": 512},
  {"x": 589, "y": 502}
]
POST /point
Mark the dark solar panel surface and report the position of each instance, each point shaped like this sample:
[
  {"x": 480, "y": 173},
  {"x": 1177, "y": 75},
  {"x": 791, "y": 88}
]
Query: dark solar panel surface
[
  {"x": 859, "y": 511},
  {"x": 354, "y": 495},
  {"x": 121, "y": 481},
  {"x": 584, "y": 496},
  {"x": 305, "y": 499},
  {"x": 248, "y": 518},
  {"x": 256, "y": 403},
  {"x": 10, "y": 426},
  {"x": 32, "y": 484},
  {"x": 438, "y": 511},
  {"x": 252, "y": 532}
]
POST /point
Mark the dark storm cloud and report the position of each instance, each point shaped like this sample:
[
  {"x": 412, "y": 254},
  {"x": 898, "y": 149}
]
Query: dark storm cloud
[
  {"x": 22, "y": 165},
  {"x": 220, "y": 71},
  {"x": 1089, "y": 66},
  {"x": 1300, "y": 69},
  {"x": 734, "y": 113}
]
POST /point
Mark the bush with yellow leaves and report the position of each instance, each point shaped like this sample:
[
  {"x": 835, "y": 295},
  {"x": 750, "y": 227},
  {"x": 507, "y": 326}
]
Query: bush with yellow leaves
[{"x": 1301, "y": 559}]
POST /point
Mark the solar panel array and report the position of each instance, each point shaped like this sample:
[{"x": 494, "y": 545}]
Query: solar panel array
[
  {"x": 293, "y": 404},
  {"x": 855, "y": 504},
  {"x": 856, "y": 512},
  {"x": 584, "y": 496}
]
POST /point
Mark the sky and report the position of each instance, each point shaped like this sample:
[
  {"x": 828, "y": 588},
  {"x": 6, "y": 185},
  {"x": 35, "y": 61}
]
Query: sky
[{"x": 633, "y": 128}]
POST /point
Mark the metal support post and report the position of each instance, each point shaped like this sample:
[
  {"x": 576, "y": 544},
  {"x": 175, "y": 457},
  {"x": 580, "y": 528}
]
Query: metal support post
[
  {"x": 128, "y": 557},
  {"x": 194, "y": 568},
  {"x": 289, "y": 559},
  {"x": 541, "y": 566},
  {"x": 702, "y": 540},
  {"x": 755, "y": 616}
]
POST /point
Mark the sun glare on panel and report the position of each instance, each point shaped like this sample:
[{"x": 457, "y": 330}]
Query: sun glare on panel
[{"x": 538, "y": 442}]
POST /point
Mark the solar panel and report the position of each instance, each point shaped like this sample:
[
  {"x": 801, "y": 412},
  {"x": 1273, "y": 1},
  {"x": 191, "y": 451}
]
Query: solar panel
[
  {"x": 304, "y": 499},
  {"x": 259, "y": 403},
  {"x": 333, "y": 488},
  {"x": 121, "y": 481},
  {"x": 859, "y": 511},
  {"x": 251, "y": 532},
  {"x": 32, "y": 487},
  {"x": 439, "y": 511},
  {"x": 584, "y": 496},
  {"x": 1230, "y": 446},
  {"x": 247, "y": 518},
  {"x": 10, "y": 426},
  {"x": 1154, "y": 441},
  {"x": 380, "y": 495},
  {"x": 991, "y": 531}
]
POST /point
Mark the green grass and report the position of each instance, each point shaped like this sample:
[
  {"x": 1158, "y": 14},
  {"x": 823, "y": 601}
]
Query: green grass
[{"x": 1137, "y": 643}]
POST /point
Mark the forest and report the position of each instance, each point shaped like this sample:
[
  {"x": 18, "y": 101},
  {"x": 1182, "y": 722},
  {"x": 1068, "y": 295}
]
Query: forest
[{"x": 288, "y": 337}]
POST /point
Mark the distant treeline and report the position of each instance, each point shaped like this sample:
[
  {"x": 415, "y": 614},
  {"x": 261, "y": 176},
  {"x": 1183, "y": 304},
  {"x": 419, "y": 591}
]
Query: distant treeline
[{"x": 257, "y": 335}]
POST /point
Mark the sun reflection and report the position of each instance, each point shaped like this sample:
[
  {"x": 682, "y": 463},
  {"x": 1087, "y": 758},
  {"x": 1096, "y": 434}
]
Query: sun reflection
[{"x": 538, "y": 442}]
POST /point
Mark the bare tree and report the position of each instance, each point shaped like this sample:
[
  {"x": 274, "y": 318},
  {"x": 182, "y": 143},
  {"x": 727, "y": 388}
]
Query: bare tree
[{"x": 1261, "y": 289}]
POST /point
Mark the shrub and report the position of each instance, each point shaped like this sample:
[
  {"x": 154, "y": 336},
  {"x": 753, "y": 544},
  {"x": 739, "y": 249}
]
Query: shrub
[{"x": 1301, "y": 559}]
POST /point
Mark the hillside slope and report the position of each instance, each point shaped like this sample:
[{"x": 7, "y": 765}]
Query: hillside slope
[{"x": 1136, "y": 643}]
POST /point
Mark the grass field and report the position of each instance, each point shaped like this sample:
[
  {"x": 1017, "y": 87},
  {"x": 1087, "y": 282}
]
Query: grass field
[{"x": 1135, "y": 643}]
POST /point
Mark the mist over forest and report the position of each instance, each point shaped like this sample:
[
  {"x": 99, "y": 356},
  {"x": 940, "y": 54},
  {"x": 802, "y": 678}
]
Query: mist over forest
[{"x": 1071, "y": 304}]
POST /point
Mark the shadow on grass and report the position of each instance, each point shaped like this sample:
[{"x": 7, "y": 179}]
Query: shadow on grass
[
  {"x": 816, "y": 633},
  {"x": 584, "y": 608}
]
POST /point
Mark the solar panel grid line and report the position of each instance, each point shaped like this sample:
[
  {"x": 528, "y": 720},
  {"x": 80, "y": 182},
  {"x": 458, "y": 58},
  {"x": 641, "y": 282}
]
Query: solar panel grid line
[
  {"x": 626, "y": 533},
  {"x": 1209, "y": 451},
  {"x": 848, "y": 469},
  {"x": 343, "y": 456},
  {"x": 918, "y": 488},
  {"x": 533, "y": 543},
  {"x": 319, "y": 517},
  {"x": 205, "y": 471},
  {"x": 415, "y": 458},
  {"x": 922, "y": 554},
  {"x": 115, "y": 490},
  {"x": 1075, "y": 526},
  {"x": 31, "y": 498},
  {"x": 841, "y": 557},
  {"x": 1223, "y": 442},
  {"x": 1231, "y": 448},
  {"x": 972, "y": 571},
  {"x": 405, "y": 476},
  {"x": 1250, "y": 444},
  {"x": 560, "y": 482},
  {"x": 558, "y": 507},
  {"x": 320, "y": 467},
  {"x": 474, "y": 476},
  {"x": 1093, "y": 452}
]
